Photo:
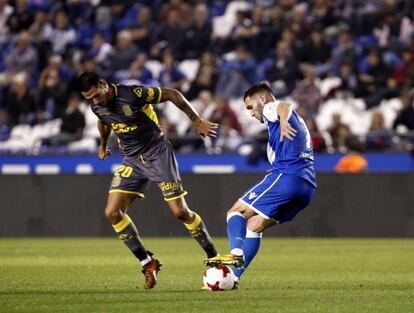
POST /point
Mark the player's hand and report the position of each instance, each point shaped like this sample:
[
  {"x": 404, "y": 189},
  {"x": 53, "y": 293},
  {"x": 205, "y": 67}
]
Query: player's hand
[
  {"x": 286, "y": 131},
  {"x": 103, "y": 152},
  {"x": 206, "y": 128}
]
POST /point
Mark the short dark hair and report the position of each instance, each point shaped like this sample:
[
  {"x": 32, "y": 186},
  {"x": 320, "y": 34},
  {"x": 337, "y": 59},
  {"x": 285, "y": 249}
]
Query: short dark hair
[
  {"x": 257, "y": 88},
  {"x": 87, "y": 80}
]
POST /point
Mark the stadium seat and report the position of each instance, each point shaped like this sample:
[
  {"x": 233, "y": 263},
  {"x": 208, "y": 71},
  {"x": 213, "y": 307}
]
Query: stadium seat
[
  {"x": 154, "y": 67},
  {"x": 189, "y": 68},
  {"x": 222, "y": 25}
]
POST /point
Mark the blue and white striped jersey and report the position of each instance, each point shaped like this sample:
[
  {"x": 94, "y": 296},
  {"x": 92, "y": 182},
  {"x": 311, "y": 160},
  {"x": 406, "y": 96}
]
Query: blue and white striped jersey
[{"x": 289, "y": 156}]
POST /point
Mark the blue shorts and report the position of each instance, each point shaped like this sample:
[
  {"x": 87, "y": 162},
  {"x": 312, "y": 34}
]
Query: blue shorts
[{"x": 279, "y": 196}]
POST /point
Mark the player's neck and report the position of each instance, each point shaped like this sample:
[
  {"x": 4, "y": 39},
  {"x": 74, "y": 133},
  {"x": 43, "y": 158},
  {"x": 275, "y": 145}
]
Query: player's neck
[{"x": 111, "y": 93}]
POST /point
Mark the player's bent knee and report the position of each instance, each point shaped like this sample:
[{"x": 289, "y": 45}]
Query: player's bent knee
[
  {"x": 243, "y": 209},
  {"x": 258, "y": 224},
  {"x": 113, "y": 215},
  {"x": 182, "y": 215}
]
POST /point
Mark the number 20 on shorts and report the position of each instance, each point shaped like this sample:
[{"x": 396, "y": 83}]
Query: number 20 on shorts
[{"x": 124, "y": 171}]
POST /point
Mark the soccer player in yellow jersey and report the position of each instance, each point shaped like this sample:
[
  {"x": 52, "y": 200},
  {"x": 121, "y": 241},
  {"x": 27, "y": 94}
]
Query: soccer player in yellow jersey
[{"x": 147, "y": 156}]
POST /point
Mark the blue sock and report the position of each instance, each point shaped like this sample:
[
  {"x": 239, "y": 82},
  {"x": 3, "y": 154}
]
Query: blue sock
[
  {"x": 251, "y": 246},
  {"x": 236, "y": 230}
]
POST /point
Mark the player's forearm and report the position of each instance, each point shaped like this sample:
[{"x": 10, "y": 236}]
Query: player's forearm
[
  {"x": 180, "y": 102},
  {"x": 104, "y": 131},
  {"x": 284, "y": 111}
]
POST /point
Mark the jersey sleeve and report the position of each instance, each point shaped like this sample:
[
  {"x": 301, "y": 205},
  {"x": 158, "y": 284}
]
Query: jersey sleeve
[
  {"x": 270, "y": 111},
  {"x": 146, "y": 95}
]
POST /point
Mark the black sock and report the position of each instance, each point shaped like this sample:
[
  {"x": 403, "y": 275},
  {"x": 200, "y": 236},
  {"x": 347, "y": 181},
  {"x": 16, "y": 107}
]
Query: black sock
[
  {"x": 128, "y": 233},
  {"x": 199, "y": 232}
]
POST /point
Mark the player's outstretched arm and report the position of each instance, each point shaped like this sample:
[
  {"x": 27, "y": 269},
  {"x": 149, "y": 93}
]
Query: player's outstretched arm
[
  {"x": 284, "y": 111},
  {"x": 204, "y": 127},
  {"x": 104, "y": 131}
]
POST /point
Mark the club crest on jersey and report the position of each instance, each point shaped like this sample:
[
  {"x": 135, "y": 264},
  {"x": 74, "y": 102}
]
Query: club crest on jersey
[
  {"x": 116, "y": 182},
  {"x": 138, "y": 91},
  {"x": 127, "y": 110}
]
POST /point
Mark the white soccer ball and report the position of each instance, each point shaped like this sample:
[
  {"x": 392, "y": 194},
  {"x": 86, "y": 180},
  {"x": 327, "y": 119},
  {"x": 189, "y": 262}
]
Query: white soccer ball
[{"x": 219, "y": 278}]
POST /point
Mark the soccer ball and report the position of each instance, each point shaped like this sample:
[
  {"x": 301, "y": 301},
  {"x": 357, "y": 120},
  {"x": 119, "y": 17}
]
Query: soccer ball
[{"x": 219, "y": 278}]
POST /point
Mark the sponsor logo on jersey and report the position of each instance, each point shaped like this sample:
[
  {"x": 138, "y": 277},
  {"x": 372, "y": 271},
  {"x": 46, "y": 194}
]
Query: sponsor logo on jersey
[
  {"x": 168, "y": 186},
  {"x": 127, "y": 110},
  {"x": 121, "y": 128},
  {"x": 104, "y": 113},
  {"x": 306, "y": 155}
]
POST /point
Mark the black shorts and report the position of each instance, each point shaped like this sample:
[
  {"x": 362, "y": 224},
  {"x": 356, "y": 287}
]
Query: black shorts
[{"x": 158, "y": 165}]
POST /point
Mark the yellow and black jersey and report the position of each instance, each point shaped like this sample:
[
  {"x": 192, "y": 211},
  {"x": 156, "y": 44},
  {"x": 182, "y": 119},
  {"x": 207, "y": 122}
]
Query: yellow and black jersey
[{"x": 132, "y": 117}]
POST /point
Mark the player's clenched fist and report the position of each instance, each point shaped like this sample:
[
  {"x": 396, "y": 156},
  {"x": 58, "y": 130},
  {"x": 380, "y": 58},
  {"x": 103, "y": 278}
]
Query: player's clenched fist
[{"x": 103, "y": 153}]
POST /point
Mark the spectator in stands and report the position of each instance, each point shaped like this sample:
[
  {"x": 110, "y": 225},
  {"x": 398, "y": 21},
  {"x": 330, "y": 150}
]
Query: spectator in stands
[
  {"x": 307, "y": 93},
  {"x": 206, "y": 77},
  {"x": 404, "y": 121},
  {"x": 343, "y": 52},
  {"x": 257, "y": 35},
  {"x": 21, "y": 18},
  {"x": 41, "y": 30},
  {"x": 101, "y": 51},
  {"x": 224, "y": 111},
  {"x": 171, "y": 36},
  {"x": 349, "y": 80},
  {"x": 20, "y": 101},
  {"x": 81, "y": 11},
  {"x": 144, "y": 31},
  {"x": 237, "y": 75},
  {"x": 323, "y": 13},
  {"x": 283, "y": 72},
  {"x": 22, "y": 58},
  {"x": 402, "y": 73},
  {"x": 228, "y": 139},
  {"x": 338, "y": 132},
  {"x": 124, "y": 54},
  {"x": 204, "y": 104},
  {"x": 374, "y": 82},
  {"x": 378, "y": 137},
  {"x": 316, "y": 52},
  {"x": 5, "y": 11},
  {"x": 183, "y": 10},
  {"x": 5, "y": 128},
  {"x": 87, "y": 64},
  {"x": 136, "y": 72},
  {"x": 52, "y": 89},
  {"x": 63, "y": 35},
  {"x": 171, "y": 76},
  {"x": 199, "y": 34},
  {"x": 318, "y": 141},
  {"x": 273, "y": 30},
  {"x": 73, "y": 122},
  {"x": 241, "y": 30},
  {"x": 298, "y": 21},
  {"x": 354, "y": 161}
]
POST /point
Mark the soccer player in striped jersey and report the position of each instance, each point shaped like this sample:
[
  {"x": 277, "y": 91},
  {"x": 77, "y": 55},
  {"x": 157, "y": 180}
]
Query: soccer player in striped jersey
[{"x": 287, "y": 188}]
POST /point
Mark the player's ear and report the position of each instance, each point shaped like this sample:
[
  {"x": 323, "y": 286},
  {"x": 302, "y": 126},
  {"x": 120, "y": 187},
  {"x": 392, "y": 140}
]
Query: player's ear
[{"x": 104, "y": 85}]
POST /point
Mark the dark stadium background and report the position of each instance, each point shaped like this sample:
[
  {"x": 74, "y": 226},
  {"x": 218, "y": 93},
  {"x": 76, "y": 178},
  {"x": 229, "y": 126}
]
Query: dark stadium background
[{"x": 347, "y": 66}]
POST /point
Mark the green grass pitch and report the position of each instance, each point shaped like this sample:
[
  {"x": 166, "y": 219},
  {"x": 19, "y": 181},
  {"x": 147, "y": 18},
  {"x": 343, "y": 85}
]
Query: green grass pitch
[{"x": 289, "y": 275}]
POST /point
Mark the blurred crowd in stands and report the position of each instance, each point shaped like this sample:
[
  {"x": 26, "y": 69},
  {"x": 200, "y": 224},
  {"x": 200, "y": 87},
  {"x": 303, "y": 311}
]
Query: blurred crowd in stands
[{"x": 347, "y": 65}]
